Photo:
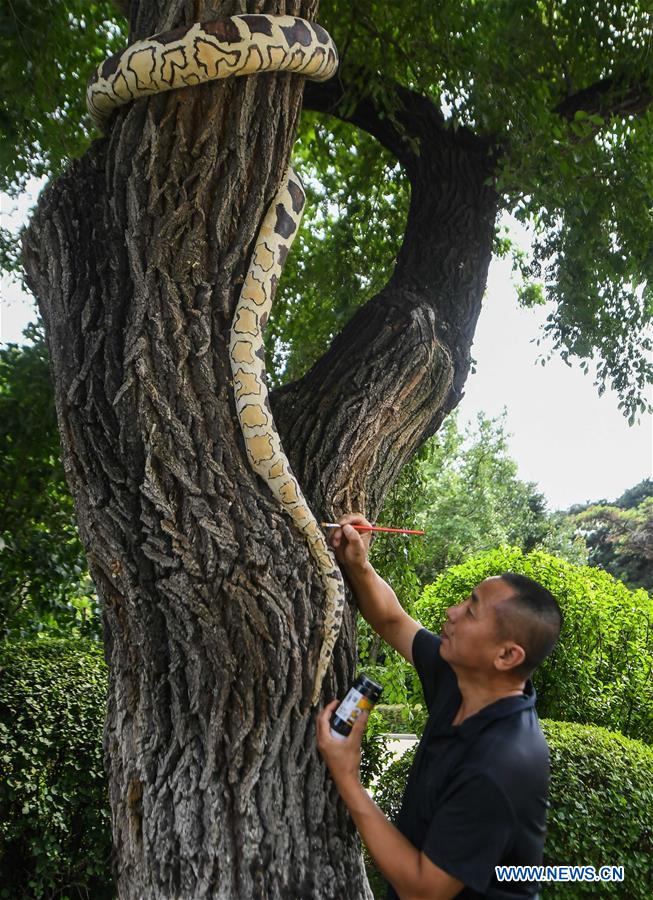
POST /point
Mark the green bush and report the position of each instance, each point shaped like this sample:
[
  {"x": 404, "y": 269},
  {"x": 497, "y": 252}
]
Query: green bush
[
  {"x": 375, "y": 755},
  {"x": 395, "y": 718},
  {"x": 600, "y": 672},
  {"x": 44, "y": 582},
  {"x": 601, "y": 801},
  {"x": 54, "y": 810}
]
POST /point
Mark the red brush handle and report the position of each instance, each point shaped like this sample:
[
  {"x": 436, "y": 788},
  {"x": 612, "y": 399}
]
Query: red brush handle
[{"x": 373, "y": 528}]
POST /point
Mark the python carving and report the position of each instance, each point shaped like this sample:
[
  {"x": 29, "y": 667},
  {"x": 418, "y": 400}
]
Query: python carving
[{"x": 244, "y": 45}]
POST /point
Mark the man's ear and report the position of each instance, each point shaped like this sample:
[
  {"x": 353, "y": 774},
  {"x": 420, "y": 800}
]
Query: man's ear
[{"x": 510, "y": 656}]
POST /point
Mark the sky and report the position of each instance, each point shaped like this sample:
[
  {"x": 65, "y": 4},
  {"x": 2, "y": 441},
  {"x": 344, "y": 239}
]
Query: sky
[{"x": 576, "y": 446}]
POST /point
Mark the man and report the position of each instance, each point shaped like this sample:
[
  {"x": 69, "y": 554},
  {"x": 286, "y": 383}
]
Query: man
[{"x": 476, "y": 795}]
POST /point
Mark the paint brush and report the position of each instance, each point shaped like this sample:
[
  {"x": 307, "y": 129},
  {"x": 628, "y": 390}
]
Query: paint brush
[{"x": 372, "y": 528}]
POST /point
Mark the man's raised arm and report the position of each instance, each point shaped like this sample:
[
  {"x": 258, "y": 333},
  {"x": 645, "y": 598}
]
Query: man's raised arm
[{"x": 376, "y": 600}]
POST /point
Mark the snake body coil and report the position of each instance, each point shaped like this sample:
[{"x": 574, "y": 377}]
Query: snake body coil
[{"x": 244, "y": 45}]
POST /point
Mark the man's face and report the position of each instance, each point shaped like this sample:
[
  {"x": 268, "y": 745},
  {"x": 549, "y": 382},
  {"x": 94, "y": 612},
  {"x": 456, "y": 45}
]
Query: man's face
[{"x": 470, "y": 636}]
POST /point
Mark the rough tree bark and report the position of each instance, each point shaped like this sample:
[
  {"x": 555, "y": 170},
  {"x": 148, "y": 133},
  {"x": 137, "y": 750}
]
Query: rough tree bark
[{"x": 213, "y": 608}]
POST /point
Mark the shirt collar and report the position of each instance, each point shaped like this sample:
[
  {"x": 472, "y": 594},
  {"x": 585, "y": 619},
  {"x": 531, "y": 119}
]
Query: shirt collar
[{"x": 500, "y": 709}]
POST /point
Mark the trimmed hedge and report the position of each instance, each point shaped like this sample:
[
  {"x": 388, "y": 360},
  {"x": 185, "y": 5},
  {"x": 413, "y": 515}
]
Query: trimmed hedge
[
  {"x": 601, "y": 805},
  {"x": 54, "y": 810},
  {"x": 601, "y": 801},
  {"x": 601, "y": 671}
]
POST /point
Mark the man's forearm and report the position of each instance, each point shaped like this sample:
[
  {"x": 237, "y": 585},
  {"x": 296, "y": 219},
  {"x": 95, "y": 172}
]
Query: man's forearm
[
  {"x": 412, "y": 874},
  {"x": 398, "y": 860},
  {"x": 376, "y": 600}
]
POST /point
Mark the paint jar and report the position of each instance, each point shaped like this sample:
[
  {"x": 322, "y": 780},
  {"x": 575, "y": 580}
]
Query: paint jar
[{"x": 363, "y": 694}]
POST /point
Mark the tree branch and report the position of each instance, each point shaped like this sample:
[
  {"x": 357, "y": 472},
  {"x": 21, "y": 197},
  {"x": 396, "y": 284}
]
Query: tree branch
[
  {"x": 351, "y": 422},
  {"x": 414, "y": 115},
  {"x": 608, "y": 98},
  {"x": 400, "y": 364},
  {"x": 123, "y": 7},
  {"x": 328, "y": 98}
]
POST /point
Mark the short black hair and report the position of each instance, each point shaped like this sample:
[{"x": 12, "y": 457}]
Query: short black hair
[{"x": 532, "y": 617}]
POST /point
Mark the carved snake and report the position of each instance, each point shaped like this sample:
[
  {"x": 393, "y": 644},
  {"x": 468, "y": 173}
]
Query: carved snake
[{"x": 244, "y": 45}]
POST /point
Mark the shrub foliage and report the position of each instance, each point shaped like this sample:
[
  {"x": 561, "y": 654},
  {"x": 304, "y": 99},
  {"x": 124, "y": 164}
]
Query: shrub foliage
[
  {"x": 601, "y": 802},
  {"x": 600, "y": 672},
  {"x": 44, "y": 582},
  {"x": 54, "y": 809}
]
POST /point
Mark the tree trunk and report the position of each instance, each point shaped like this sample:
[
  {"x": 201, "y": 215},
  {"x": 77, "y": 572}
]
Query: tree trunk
[{"x": 213, "y": 608}]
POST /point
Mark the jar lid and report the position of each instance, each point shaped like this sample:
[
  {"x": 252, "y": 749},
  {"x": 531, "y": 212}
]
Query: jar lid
[{"x": 370, "y": 688}]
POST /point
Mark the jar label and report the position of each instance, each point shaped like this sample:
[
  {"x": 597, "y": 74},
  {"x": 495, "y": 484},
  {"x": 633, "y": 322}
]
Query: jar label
[{"x": 352, "y": 706}]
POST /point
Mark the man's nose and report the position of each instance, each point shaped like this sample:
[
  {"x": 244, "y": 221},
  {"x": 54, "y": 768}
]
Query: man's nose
[{"x": 452, "y": 612}]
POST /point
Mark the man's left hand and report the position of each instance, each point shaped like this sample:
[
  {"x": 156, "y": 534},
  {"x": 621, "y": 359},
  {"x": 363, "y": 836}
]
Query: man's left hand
[{"x": 343, "y": 758}]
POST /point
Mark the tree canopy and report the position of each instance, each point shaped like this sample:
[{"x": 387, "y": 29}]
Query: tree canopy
[
  {"x": 619, "y": 535},
  {"x": 559, "y": 91}
]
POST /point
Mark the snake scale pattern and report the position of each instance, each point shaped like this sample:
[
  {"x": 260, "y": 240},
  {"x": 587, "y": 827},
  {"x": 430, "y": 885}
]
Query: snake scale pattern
[{"x": 233, "y": 46}]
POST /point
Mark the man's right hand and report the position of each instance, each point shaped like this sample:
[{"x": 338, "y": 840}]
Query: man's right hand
[
  {"x": 350, "y": 546},
  {"x": 376, "y": 600}
]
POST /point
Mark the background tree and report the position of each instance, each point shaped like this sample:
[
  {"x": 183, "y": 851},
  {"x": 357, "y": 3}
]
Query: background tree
[
  {"x": 48, "y": 49},
  {"x": 619, "y": 535},
  {"x": 473, "y": 500},
  {"x": 213, "y": 613}
]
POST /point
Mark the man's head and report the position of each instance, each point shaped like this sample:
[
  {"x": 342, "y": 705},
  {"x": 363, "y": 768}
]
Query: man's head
[
  {"x": 505, "y": 628},
  {"x": 532, "y": 617}
]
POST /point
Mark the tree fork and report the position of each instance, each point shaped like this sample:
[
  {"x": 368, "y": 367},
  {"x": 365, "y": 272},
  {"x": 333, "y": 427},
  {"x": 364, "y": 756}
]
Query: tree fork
[{"x": 400, "y": 364}]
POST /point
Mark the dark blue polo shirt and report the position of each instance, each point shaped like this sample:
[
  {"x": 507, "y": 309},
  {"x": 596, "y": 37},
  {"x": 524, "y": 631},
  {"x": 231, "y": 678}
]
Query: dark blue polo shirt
[{"x": 476, "y": 795}]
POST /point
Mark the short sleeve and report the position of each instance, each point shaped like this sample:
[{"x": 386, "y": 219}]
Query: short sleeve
[
  {"x": 471, "y": 831},
  {"x": 428, "y": 662}
]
